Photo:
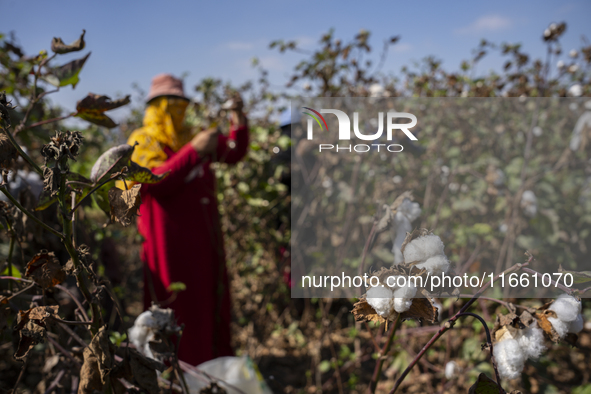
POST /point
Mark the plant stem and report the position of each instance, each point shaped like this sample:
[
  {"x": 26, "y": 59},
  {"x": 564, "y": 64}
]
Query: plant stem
[
  {"x": 380, "y": 362},
  {"x": 9, "y": 258},
  {"x": 41, "y": 123},
  {"x": 22, "y": 153},
  {"x": 28, "y": 213},
  {"x": 449, "y": 324},
  {"x": 490, "y": 344}
]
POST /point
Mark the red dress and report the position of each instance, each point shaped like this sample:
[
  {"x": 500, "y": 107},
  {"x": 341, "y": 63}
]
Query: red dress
[{"x": 179, "y": 220}]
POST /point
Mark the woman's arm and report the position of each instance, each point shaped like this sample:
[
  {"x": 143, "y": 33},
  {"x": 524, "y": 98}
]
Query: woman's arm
[
  {"x": 178, "y": 167},
  {"x": 231, "y": 149}
]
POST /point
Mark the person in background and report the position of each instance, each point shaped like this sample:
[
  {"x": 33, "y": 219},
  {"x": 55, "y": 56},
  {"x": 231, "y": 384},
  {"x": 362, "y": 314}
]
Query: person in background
[{"x": 179, "y": 217}]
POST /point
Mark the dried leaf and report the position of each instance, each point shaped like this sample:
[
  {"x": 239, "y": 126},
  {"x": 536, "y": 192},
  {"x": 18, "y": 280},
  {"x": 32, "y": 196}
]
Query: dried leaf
[
  {"x": 144, "y": 371},
  {"x": 8, "y": 152},
  {"x": 124, "y": 204},
  {"x": 90, "y": 376},
  {"x": 104, "y": 351},
  {"x": 484, "y": 385},
  {"x": 386, "y": 219},
  {"x": 362, "y": 311},
  {"x": 92, "y": 108},
  {"x": 96, "y": 102},
  {"x": 45, "y": 269},
  {"x": 411, "y": 236},
  {"x": 51, "y": 183},
  {"x": 141, "y": 174},
  {"x": 542, "y": 317},
  {"x": 421, "y": 309},
  {"x": 110, "y": 162},
  {"x": 31, "y": 326},
  {"x": 58, "y": 46}
]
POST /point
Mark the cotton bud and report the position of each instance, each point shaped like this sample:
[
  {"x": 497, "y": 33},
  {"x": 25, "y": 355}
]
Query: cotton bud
[
  {"x": 560, "y": 64},
  {"x": 380, "y": 299},
  {"x": 451, "y": 369},
  {"x": 509, "y": 357},
  {"x": 573, "y": 53}
]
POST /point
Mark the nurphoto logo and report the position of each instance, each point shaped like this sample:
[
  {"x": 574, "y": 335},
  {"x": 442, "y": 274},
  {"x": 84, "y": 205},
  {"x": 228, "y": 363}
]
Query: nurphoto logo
[{"x": 345, "y": 130}]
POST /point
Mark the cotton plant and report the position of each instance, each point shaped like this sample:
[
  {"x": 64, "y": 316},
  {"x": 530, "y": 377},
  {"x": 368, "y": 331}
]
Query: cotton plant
[{"x": 515, "y": 346}]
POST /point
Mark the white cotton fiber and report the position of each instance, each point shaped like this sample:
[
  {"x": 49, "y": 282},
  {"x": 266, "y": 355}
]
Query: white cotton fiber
[
  {"x": 559, "y": 326},
  {"x": 509, "y": 357},
  {"x": 451, "y": 369},
  {"x": 435, "y": 265},
  {"x": 401, "y": 226},
  {"x": 380, "y": 299},
  {"x": 420, "y": 249},
  {"x": 531, "y": 341},
  {"x": 412, "y": 210},
  {"x": 142, "y": 332},
  {"x": 576, "y": 326},
  {"x": 567, "y": 308},
  {"x": 403, "y": 297}
]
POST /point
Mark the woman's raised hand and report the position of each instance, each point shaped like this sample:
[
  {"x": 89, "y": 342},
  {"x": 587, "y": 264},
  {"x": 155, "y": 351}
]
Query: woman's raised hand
[{"x": 205, "y": 142}]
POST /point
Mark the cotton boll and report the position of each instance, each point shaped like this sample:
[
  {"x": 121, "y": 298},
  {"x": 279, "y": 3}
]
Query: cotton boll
[
  {"x": 435, "y": 265},
  {"x": 576, "y": 326},
  {"x": 529, "y": 203},
  {"x": 412, "y": 210},
  {"x": 451, "y": 369},
  {"x": 420, "y": 249},
  {"x": 509, "y": 357},
  {"x": 403, "y": 297},
  {"x": 559, "y": 326},
  {"x": 531, "y": 341},
  {"x": 380, "y": 299},
  {"x": 567, "y": 308}
]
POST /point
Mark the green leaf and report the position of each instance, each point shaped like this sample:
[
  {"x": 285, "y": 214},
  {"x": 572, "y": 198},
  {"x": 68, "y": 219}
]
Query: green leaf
[
  {"x": 141, "y": 174},
  {"x": 45, "y": 201},
  {"x": 175, "y": 287},
  {"x": 68, "y": 73},
  {"x": 324, "y": 366},
  {"x": 15, "y": 272},
  {"x": 579, "y": 277},
  {"x": 101, "y": 198},
  {"x": 484, "y": 385},
  {"x": 97, "y": 118}
]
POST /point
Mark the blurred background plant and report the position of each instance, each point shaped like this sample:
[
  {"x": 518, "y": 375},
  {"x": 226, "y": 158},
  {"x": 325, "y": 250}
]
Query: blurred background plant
[{"x": 314, "y": 345}]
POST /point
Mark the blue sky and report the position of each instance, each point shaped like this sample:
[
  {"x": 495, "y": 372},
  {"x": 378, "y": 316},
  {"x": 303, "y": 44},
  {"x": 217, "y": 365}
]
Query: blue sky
[{"x": 131, "y": 41}]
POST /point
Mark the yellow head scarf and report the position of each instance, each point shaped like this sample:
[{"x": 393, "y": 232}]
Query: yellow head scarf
[{"x": 163, "y": 126}]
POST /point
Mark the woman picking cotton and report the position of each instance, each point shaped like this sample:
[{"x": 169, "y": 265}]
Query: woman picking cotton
[{"x": 179, "y": 217}]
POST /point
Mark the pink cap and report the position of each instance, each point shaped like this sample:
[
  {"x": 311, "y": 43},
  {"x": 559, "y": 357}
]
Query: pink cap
[{"x": 166, "y": 85}]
